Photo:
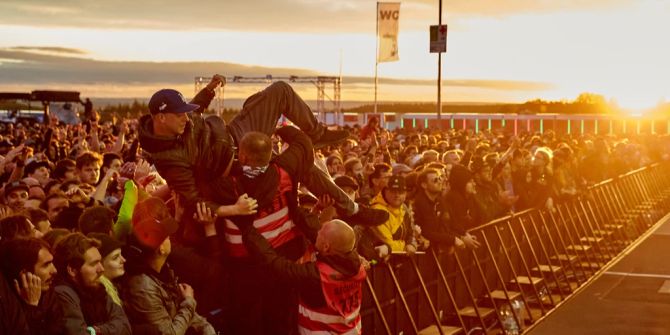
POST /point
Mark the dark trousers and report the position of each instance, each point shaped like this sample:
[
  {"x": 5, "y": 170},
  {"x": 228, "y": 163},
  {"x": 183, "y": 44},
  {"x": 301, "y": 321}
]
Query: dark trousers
[
  {"x": 261, "y": 113},
  {"x": 260, "y": 304}
]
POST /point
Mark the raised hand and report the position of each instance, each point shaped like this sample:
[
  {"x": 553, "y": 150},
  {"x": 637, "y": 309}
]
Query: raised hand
[
  {"x": 216, "y": 81},
  {"x": 5, "y": 211},
  {"x": 13, "y": 153},
  {"x": 128, "y": 170},
  {"x": 325, "y": 201},
  {"x": 142, "y": 170},
  {"x": 203, "y": 214}
]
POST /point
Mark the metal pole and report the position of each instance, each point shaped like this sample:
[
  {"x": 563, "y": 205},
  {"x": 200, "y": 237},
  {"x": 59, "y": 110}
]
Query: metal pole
[{"x": 439, "y": 76}]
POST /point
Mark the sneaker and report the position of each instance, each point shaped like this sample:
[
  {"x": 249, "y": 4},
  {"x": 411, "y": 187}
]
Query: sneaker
[
  {"x": 330, "y": 137},
  {"x": 367, "y": 216}
]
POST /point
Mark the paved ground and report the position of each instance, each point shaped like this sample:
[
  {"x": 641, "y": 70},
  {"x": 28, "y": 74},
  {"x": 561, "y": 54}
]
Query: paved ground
[{"x": 631, "y": 297}]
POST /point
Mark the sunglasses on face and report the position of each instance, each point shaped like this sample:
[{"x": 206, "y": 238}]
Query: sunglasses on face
[{"x": 437, "y": 179}]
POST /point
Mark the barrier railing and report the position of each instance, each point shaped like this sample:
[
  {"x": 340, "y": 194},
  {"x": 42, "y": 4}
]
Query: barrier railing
[{"x": 528, "y": 263}]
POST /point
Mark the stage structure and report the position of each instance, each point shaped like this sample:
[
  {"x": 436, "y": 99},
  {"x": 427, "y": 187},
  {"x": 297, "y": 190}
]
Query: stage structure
[{"x": 328, "y": 116}]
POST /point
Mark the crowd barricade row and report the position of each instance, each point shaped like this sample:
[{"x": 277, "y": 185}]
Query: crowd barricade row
[{"x": 528, "y": 263}]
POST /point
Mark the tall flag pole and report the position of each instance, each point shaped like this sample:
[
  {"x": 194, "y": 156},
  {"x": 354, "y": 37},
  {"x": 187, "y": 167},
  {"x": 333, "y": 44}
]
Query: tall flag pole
[
  {"x": 388, "y": 14},
  {"x": 439, "y": 77}
]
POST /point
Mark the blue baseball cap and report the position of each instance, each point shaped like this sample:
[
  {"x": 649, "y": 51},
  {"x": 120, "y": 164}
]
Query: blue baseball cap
[{"x": 169, "y": 101}]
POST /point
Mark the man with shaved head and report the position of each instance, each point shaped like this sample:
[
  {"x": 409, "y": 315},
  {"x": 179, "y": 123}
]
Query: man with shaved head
[
  {"x": 330, "y": 286},
  {"x": 335, "y": 237}
]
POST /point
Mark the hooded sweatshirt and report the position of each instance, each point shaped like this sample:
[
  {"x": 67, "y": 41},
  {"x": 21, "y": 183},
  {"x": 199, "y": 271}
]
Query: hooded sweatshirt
[{"x": 457, "y": 199}]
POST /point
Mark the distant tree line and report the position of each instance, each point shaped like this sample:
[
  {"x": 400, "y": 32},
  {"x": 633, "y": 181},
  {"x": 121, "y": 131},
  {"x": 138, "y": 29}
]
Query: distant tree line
[
  {"x": 137, "y": 109},
  {"x": 585, "y": 103}
]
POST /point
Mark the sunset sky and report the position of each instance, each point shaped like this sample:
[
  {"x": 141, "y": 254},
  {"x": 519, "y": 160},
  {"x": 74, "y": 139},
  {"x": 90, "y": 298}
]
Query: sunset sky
[{"x": 498, "y": 51}]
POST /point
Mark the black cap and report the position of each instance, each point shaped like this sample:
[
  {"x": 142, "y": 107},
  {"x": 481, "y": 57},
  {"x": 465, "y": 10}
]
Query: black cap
[
  {"x": 397, "y": 183},
  {"x": 107, "y": 243},
  {"x": 15, "y": 185}
]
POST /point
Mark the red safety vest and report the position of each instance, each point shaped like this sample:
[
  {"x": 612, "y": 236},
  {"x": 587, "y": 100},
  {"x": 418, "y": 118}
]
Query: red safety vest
[
  {"x": 341, "y": 314},
  {"x": 273, "y": 222}
]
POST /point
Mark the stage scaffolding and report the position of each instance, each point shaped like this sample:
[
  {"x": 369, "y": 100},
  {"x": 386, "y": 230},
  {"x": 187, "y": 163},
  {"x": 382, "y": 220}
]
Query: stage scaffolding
[{"x": 320, "y": 82}]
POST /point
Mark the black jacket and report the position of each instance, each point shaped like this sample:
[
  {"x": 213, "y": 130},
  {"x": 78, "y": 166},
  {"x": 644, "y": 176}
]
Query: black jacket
[
  {"x": 434, "y": 219},
  {"x": 460, "y": 205},
  {"x": 17, "y": 317},
  {"x": 78, "y": 314},
  {"x": 12, "y": 318},
  {"x": 190, "y": 161}
]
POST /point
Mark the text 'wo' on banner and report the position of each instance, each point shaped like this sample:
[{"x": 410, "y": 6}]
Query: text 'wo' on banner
[{"x": 388, "y": 14}]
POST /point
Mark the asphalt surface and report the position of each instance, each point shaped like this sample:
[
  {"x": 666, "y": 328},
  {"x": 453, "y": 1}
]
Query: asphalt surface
[{"x": 632, "y": 296}]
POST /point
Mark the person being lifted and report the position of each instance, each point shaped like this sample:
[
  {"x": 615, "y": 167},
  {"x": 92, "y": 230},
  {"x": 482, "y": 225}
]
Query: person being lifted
[{"x": 191, "y": 151}]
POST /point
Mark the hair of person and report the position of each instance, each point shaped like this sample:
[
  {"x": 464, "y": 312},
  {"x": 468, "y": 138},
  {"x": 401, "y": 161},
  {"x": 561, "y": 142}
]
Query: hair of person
[
  {"x": 520, "y": 153},
  {"x": 51, "y": 184},
  {"x": 548, "y": 153},
  {"x": 430, "y": 152},
  {"x": 423, "y": 176},
  {"x": 257, "y": 148},
  {"x": 87, "y": 158},
  {"x": 96, "y": 219},
  {"x": 54, "y": 235},
  {"x": 409, "y": 148},
  {"x": 109, "y": 157},
  {"x": 482, "y": 148},
  {"x": 68, "y": 218},
  {"x": 332, "y": 158},
  {"x": 58, "y": 194},
  {"x": 443, "y": 157},
  {"x": 21, "y": 254},
  {"x": 70, "y": 251},
  {"x": 410, "y": 181},
  {"x": 66, "y": 184},
  {"x": 36, "y": 214},
  {"x": 350, "y": 163},
  {"x": 379, "y": 169},
  {"x": 451, "y": 151},
  {"x": 14, "y": 226},
  {"x": 435, "y": 165}
]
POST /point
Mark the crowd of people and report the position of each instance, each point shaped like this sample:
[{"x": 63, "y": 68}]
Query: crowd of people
[{"x": 180, "y": 223}]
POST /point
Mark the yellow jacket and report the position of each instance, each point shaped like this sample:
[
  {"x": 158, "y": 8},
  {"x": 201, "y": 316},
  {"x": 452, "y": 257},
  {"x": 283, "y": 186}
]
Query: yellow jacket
[{"x": 394, "y": 226}]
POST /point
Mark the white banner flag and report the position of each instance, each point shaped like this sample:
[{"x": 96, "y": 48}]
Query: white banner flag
[{"x": 388, "y": 14}]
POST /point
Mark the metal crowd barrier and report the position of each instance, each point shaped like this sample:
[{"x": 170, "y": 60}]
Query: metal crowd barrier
[{"x": 528, "y": 263}]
